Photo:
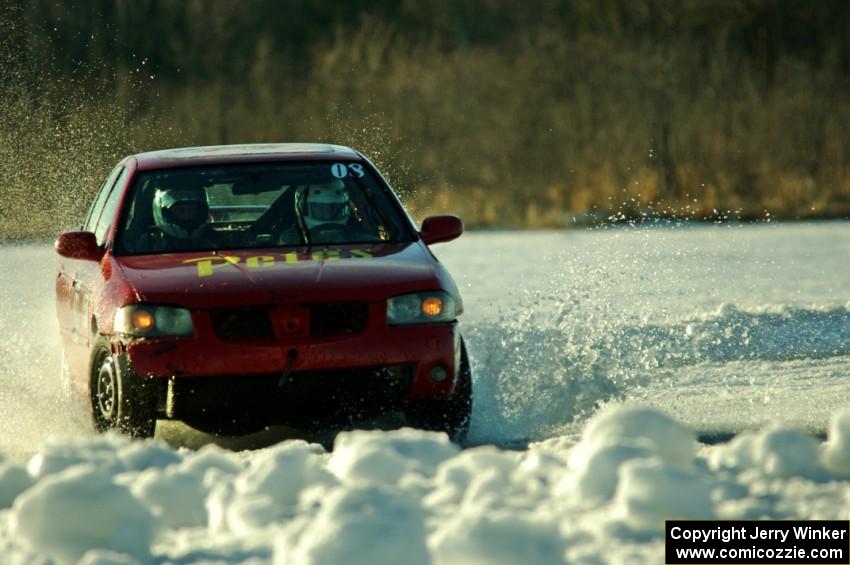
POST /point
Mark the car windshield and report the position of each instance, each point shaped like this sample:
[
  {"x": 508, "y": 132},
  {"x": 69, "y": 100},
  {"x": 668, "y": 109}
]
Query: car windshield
[{"x": 251, "y": 206}]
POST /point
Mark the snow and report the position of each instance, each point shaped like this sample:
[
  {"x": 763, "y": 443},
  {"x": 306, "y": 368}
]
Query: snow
[
  {"x": 670, "y": 440},
  {"x": 596, "y": 468},
  {"x": 603, "y": 360},
  {"x": 14, "y": 480},
  {"x": 269, "y": 489},
  {"x": 416, "y": 499},
  {"x": 81, "y": 508},
  {"x": 375, "y": 456},
  {"x": 651, "y": 491},
  {"x": 835, "y": 455},
  {"x": 500, "y": 537},
  {"x": 358, "y": 524},
  {"x": 785, "y": 452},
  {"x": 175, "y": 496}
]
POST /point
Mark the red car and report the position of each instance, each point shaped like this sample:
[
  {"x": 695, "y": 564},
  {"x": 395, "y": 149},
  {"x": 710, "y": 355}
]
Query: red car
[{"x": 237, "y": 287}]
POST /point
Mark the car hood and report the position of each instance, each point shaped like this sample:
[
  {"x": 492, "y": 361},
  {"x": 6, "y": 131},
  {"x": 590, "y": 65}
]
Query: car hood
[{"x": 262, "y": 276}]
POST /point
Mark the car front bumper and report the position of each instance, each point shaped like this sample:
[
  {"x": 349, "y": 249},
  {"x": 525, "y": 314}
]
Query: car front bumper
[{"x": 428, "y": 353}]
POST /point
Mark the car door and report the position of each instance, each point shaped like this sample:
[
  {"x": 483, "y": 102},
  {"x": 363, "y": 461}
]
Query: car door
[
  {"x": 89, "y": 276},
  {"x": 82, "y": 280},
  {"x": 67, "y": 269}
]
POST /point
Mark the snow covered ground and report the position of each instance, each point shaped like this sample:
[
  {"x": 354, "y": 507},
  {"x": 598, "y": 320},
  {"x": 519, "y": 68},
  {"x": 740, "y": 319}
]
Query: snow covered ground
[{"x": 601, "y": 358}]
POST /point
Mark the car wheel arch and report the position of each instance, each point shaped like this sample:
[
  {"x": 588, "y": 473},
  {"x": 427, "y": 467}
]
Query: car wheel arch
[{"x": 135, "y": 412}]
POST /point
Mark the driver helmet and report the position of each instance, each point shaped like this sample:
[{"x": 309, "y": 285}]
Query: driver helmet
[
  {"x": 180, "y": 212},
  {"x": 325, "y": 204}
]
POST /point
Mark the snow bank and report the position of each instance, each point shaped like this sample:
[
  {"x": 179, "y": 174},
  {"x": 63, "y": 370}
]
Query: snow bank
[
  {"x": 836, "y": 451},
  {"x": 365, "y": 524},
  {"x": 269, "y": 489},
  {"x": 106, "y": 557},
  {"x": 103, "y": 452},
  {"x": 374, "y": 456},
  {"x": 14, "y": 480},
  {"x": 142, "y": 455},
  {"x": 211, "y": 460},
  {"x": 670, "y": 440},
  {"x": 71, "y": 512},
  {"x": 497, "y": 538},
  {"x": 411, "y": 496},
  {"x": 615, "y": 437},
  {"x": 175, "y": 496},
  {"x": 784, "y": 453},
  {"x": 651, "y": 491},
  {"x": 596, "y": 469},
  {"x": 778, "y": 452},
  {"x": 472, "y": 477}
]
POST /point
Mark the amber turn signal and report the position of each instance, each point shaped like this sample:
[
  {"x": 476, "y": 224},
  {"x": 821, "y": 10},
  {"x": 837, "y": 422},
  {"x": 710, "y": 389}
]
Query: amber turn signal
[
  {"x": 143, "y": 320},
  {"x": 432, "y": 306}
]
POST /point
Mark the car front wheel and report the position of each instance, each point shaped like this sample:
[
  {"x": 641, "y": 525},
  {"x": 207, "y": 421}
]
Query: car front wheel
[
  {"x": 119, "y": 401},
  {"x": 452, "y": 415}
]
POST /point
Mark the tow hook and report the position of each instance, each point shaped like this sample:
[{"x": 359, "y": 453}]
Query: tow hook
[{"x": 287, "y": 371}]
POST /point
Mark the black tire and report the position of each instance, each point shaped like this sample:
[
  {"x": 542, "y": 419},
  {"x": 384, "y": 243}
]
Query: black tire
[
  {"x": 451, "y": 416},
  {"x": 119, "y": 400}
]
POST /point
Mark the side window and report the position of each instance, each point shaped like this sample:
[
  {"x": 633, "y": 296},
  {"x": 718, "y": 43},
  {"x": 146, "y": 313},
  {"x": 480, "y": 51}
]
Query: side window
[
  {"x": 97, "y": 206},
  {"x": 109, "y": 207}
]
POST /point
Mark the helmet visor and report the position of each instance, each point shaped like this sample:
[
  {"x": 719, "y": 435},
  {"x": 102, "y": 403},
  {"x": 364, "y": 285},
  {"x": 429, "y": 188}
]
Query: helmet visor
[
  {"x": 328, "y": 211},
  {"x": 187, "y": 213}
]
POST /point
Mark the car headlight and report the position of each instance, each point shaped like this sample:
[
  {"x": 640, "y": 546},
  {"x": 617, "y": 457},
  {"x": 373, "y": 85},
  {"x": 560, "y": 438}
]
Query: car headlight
[
  {"x": 421, "y": 308},
  {"x": 145, "y": 320}
]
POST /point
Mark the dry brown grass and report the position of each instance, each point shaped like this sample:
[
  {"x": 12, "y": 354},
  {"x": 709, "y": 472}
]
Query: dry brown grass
[{"x": 526, "y": 137}]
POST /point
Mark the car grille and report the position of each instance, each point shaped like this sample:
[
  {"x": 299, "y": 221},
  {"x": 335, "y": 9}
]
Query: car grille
[
  {"x": 242, "y": 324},
  {"x": 337, "y": 318},
  {"x": 255, "y": 323}
]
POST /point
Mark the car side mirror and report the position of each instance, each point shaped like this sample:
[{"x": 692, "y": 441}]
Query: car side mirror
[
  {"x": 79, "y": 245},
  {"x": 441, "y": 228}
]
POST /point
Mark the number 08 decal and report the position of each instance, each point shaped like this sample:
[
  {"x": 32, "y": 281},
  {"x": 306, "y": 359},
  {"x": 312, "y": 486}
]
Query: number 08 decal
[{"x": 341, "y": 170}]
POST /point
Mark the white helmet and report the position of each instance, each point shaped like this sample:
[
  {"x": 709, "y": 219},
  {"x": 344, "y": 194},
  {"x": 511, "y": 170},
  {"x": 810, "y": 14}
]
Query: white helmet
[
  {"x": 325, "y": 204},
  {"x": 180, "y": 212}
]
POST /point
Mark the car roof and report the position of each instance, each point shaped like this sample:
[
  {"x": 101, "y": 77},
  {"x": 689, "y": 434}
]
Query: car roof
[{"x": 247, "y": 153}]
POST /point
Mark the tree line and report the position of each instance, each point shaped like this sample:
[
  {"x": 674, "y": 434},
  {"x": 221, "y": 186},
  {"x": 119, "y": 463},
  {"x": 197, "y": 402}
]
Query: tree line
[{"x": 512, "y": 114}]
